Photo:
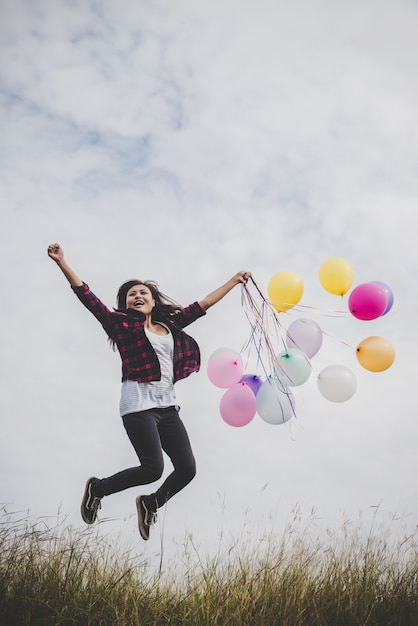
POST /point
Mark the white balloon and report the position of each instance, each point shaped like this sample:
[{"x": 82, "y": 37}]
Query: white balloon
[
  {"x": 274, "y": 401},
  {"x": 337, "y": 383}
]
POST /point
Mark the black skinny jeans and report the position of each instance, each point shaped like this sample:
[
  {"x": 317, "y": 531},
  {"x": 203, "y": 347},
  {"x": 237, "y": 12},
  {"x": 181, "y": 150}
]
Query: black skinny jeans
[{"x": 151, "y": 432}]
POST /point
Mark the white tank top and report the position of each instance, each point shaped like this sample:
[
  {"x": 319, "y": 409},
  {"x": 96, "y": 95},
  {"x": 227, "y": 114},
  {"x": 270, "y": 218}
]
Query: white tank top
[{"x": 137, "y": 396}]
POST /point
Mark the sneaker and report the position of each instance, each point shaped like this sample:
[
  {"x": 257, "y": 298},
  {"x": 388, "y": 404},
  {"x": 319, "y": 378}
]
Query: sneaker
[
  {"x": 147, "y": 514},
  {"x": 90, "y": 503}
]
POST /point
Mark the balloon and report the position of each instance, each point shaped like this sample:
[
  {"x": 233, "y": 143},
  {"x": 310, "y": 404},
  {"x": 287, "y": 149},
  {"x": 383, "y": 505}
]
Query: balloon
[
  {"x": 274, "y": 402},
  {"x": 294, "y": 367},
  {"x": 237, "y": 406},
  {"x": 231, "y": 350},
  {"x": 337, "y": 383},
  {"x": 254, "y": 382},
  {"x": 389, "y": 295},
  {"x": 225, "y": 369},
  {"x": 367, "y": 301},
  {"x": 336, "y": 276},
  {"x": 285, "y": 289},
  {"x": 375, "y": 354},
  {"x": 304, "y": 334}
]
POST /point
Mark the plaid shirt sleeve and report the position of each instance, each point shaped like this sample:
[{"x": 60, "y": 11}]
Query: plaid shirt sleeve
[
  {"x": 95, "y": 306},
  {"x": 139, "y": 361},
  {"x": 187, "y": 315}
]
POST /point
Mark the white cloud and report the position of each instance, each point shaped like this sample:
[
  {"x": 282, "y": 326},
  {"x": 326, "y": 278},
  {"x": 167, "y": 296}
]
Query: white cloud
[{"x": 183, "y": 143}]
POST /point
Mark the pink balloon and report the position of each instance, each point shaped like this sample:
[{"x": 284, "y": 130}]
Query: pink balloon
[
  {"x": 254, "y": 382},
  {"x": 231, "y": 350},
  {"x": 238, "y": 406},
  {"x": 367, "y": 301},
  {"x": 225, "y": 369}
]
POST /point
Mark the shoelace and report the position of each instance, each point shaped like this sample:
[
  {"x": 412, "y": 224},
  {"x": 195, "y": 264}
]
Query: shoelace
[
  {"x": 95, "y": 506},
  {"x": 150, "y": 516},
  {"x": 93, "y": 502}
]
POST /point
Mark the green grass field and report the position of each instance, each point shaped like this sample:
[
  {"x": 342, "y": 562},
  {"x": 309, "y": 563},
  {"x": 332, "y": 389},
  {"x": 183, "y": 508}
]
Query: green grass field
[{"x": 61, "y": 576}]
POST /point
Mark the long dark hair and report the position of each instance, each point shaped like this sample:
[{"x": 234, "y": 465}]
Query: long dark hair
[{"x": 164, "y": 305}]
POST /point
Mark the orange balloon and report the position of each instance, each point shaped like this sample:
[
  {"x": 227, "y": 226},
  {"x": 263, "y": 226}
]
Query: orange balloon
[{"x": 375, "y": 354}]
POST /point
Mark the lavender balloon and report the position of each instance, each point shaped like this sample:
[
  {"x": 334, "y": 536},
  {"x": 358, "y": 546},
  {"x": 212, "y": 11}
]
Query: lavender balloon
[
  {"x": 389, "y": 295},
  {"x": 304, "y": 334},
  {"x": 254, "y": 382}
]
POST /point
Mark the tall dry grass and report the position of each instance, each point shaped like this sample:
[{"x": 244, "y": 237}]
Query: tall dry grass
[{"x": 60, "y": 576}]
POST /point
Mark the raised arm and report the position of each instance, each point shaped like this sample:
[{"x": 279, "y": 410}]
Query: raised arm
[
  {"x": 56, "y": 253},
  {"x": 216, "y": 295}
]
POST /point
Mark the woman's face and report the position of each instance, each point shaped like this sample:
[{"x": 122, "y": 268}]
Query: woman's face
[{"x": 139, "y": 298}]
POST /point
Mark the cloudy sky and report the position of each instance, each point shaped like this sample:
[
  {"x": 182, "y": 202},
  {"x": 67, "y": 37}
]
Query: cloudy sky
[{"x": 184, "y": 141}]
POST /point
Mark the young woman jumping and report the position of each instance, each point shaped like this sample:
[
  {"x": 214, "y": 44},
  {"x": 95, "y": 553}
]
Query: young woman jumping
[{"x": 147, "y": 330}]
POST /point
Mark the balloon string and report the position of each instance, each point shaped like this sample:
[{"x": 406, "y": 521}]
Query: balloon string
[
  {"x": 328, "y": 313},
  {"x": 256, "y": 335},
  {"x": 264, "y": 323},
  {"x": 267, "y": 335}
]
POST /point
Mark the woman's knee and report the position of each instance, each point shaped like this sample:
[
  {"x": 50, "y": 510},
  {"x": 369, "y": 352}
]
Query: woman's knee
[
  {"x": 188, "y": 470},
  {"x": 153, "y": 469}
]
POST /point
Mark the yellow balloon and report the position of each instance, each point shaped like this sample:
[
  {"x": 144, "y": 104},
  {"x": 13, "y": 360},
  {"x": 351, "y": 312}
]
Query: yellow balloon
[
  {"x": 375, "y": 354},
  {"x": 285, "y": 289},
  {"x": 336, "y": 276}
]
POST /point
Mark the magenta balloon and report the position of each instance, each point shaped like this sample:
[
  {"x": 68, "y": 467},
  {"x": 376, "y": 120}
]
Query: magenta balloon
[
  {"x": 389, "y": 295},
  {"x": 238, "y": 406},
  {"x": 305, "y": 335},
  {"x": 367, "y": 301},
  {"x": 225, "y": 369},
  {"x": 254, "y": 382}
]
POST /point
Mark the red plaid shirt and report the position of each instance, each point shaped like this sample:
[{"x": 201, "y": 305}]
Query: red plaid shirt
[{"x": 126, "y": 328}]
